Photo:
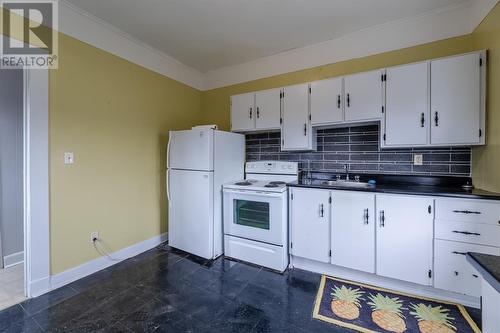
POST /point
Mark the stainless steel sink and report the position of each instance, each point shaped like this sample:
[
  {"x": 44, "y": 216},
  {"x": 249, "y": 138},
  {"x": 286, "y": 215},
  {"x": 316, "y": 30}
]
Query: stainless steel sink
[{"x": 346, "y": 183}]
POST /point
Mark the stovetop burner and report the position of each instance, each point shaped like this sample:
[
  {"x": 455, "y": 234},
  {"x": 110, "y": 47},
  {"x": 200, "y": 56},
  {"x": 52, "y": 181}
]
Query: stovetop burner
[
  {"x": 271, "y": 185},
  {"x": 243, "y": 183},
  {"x": 277, "y": 183}
]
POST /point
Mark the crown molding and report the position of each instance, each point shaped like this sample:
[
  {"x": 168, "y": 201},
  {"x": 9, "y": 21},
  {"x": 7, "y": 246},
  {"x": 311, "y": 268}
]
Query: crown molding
[
  {"x": 432, "y": 26},
  {"x": 90, "y": 29},
  {"x": 443, "y": 23}
]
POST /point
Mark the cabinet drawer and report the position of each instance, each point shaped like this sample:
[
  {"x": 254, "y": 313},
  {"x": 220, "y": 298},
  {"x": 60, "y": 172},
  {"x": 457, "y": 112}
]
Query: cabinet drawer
[
  {"x": 470, "y": 232},
  {"x": 468, "y": 210},
  {"x": 453, "y": 272}
]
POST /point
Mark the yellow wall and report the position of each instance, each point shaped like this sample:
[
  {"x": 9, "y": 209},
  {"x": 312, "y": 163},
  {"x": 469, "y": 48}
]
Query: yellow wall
[
  {"x": 115, "y": 116},
  {"x": 486, "y": 160}
]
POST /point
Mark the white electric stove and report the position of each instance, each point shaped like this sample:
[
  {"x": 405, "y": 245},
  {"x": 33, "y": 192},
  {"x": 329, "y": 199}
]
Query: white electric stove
[{"x": 255, "y": 214}]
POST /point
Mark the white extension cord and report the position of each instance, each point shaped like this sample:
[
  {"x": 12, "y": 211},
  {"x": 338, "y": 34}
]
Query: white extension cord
[{"x": 101, "y": 249}]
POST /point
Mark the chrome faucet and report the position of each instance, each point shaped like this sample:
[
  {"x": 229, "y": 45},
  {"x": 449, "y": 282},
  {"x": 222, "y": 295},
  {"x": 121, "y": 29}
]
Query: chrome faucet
[{"x": 346, "y": 168}]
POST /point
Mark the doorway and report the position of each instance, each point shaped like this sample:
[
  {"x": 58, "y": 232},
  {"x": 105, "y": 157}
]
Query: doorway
[{"x": 12, "y": 277}]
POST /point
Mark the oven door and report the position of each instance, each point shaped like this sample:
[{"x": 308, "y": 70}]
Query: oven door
[{"x": 256, "y": 216}]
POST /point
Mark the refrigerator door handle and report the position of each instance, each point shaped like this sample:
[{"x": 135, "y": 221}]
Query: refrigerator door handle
[
  {"x": 167, "y": 176},
  {"x": 168, "y": 150}
]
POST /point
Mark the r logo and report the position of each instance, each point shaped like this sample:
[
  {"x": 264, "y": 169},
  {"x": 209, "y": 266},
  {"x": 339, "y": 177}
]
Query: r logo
[{"x": 29, "y": 30}]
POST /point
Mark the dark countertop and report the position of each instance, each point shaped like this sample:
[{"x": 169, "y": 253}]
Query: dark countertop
[
  {"x": 488, "y": 266},
  {"x": 428, "y": 186}
]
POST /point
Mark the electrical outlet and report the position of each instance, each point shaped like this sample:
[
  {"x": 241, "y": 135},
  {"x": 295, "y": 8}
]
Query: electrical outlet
[
  {"x": 418, "y": 159},
  {"x": 94, "y": 235}
]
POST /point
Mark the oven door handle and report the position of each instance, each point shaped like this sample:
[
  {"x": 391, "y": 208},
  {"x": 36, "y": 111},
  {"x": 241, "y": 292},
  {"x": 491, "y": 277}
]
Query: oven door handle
[{"x": 266, "y": 194}]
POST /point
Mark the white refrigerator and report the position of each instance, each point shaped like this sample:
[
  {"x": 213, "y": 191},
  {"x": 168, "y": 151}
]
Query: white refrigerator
[{"x": 199, "y": 161}]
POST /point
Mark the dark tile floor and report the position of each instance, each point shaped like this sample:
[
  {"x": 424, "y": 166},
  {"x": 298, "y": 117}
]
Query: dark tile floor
[{"x": 164, "y": 290}]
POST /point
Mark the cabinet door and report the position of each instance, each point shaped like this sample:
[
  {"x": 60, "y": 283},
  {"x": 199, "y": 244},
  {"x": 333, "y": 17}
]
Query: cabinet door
[
  {"x": 242, "y": 112},
  {"x": 404, "y": 238},
  {"x": 407, "y": 105},
  {"x": 327, "y": 105},
  {"x": 456, "y": 100},
  {"x": 296, "y": 128},
  {"x": 453, "y": 272},
  {"x": 310, "y": 224},
  {"x": 363, "y": 96},
  {"x": 353, "y": 218},
  {"x": 267, "y": 107}
]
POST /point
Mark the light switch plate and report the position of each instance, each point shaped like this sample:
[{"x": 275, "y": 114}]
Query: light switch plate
[
  {"x": 69, "y": 158},
  {"x": 418, "y": 159}
]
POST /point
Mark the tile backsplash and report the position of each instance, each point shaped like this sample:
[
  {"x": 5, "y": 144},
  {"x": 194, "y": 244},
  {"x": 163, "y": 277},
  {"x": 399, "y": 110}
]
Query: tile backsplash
[{"x": 358, "y": 146}]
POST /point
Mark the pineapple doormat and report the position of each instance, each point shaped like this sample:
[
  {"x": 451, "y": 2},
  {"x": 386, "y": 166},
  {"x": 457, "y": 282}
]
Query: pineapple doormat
[{"x": 370, "y": 309}]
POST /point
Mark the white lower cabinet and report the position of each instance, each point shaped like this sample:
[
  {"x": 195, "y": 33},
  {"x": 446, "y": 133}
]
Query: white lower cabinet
[
  {"x": 404, "y": 237},
  {"x": 463, "y": 226},
  {"x": 392, "y": 235},
  {"x": 453, "y": 272},
  {"x": 353, "y": 230},
  {"x": 310, "y": 223}
]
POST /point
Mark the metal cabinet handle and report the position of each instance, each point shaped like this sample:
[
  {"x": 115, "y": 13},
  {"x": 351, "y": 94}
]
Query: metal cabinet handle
[
  {"x": 250, "y": 113},
  {"x": 466, "y": 233},
  {"x": 366, "y": 216},
  {"x": 338, "y": 101},
  {"x": 460, "y": 253},
  {"x": 466, "y": 212},
  {"x": 305, "y": 129},
  {"x": 382, "y": 218},
  {"x": 422, "y": 120},
  {"x": 348, "y": 100},
  {"x": 258, "y": 112},
  {"x": 436, "y": 118},
  {"x": 321, "y": 210}
]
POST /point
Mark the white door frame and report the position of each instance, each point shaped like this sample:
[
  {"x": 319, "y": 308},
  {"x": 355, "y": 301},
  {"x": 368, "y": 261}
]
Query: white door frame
[{"x": 36, "y": 182}]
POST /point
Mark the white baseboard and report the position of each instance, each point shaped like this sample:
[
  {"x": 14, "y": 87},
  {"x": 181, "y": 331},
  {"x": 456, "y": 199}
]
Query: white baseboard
[
  {"x": 13, "y": 259},
  {"x": 39, "y": 287},
  {"x": 90, "y": 267},
  {"x": 383, "y": 282}
]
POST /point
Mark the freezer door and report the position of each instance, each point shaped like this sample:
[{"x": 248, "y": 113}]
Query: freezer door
[
  {"x": 190, "y": 222},
  {"x": 191, "y": 150}
]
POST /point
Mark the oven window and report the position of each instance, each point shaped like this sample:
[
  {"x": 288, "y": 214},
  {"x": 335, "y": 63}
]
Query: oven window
[{"x": 251, "y": 213}]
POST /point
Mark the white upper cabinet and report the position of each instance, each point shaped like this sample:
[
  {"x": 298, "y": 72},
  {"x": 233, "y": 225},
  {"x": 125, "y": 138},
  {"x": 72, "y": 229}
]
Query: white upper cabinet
[
  {"x": 456, "y": 100},
  {"x": 296, "y": 130},
  {"x": 363, "y": 96},
  {"x": 256, "y": 111},
  {"x": 404, "y": 238},
  {"x": 267, "y": 109},
  {"x": 310, "y": 224},
  {"x": 434, "y": 103},
  {"x": 353, "y": 218},
  {"x": 327, "y": 102},
  {"x": 242, "y": 112},
  {"x": 407, "y": 118}
]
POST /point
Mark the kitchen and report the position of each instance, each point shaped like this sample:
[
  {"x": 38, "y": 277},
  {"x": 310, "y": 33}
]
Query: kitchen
[
  {"x": 412, "y": 224},
  {"x": 287, "y": 180}
]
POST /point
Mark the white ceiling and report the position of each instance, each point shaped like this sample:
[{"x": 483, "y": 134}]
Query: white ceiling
[{"x": 211, "y": 34}]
